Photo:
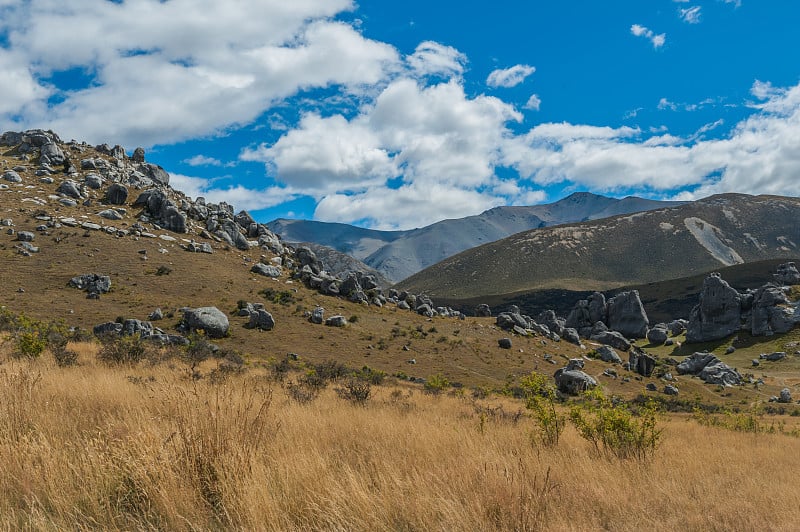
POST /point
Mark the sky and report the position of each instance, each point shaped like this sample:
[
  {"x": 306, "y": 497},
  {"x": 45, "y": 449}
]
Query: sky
[{"x": 394, "y": 115}]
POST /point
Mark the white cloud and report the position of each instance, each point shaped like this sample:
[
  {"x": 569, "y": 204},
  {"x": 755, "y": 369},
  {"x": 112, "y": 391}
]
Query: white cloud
[
  {"x": 238, "y": 196},
  {"x": 202, "y": 160},
  {"x": 161, "y": 72},
  {"x": 509, "y": 77},
  {"x": 534, "y": 103},
  {"x": 663, "y": 103},
  {"x": 736, "y": 3},
  {"x": 690, "y": 15},
  {"x": 658, "y": 40},
  {"x": 432, "y": 58}
]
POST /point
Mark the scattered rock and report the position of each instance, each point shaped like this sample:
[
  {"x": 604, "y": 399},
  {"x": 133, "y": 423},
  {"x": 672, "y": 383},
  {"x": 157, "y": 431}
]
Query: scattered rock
[
  {"x": 92, "y": 283},
  {"x": 336, "y": 321},
  {"x": 267, "y": 270},
  {"x": 211, "y": 320},
  {"x": 607, "y": 354},
  {"x": 317, "y": 316},
  {"x": 773, "y": 357},
  {"x": 710, "y": 369},
  {"x": 572, "y": 380},
  {"x": 116, "y": 194},
  {"x": 504, "y": 343},
  {"x": 650, "y": 387},
  {"x": 671, "y": 390},
  {"x": 25, "y": 236},
  {"x": 262, "y": 320},
  {"x": 785, "y": 396},
  {"x": 12, "y": 177}
]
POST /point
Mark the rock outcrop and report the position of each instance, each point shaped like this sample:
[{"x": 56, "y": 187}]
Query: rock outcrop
[
  {"x": 212, "y": 321},
  {"x": 626, "y": 315},
  {"x": 709, "y": 369},
  {"x": 717, "y": 315}
]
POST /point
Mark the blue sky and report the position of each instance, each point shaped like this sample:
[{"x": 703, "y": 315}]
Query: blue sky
[{"x": 399, "y": 114}]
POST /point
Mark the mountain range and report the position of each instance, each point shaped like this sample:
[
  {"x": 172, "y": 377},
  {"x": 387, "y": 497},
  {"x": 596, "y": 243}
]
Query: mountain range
[
  {"x": 645, "y": 247},
  {"x": 400, "y": 254}
]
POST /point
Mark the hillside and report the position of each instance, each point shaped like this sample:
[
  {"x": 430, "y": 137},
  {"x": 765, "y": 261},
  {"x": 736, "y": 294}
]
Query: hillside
[
  {"x": 399, "y": 254},
  {"x": 623, "y": 250}
]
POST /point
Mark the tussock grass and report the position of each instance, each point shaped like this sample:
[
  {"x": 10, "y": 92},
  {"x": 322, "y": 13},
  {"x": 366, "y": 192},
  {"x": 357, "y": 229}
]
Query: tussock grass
[{"x": 147, "y": 447}]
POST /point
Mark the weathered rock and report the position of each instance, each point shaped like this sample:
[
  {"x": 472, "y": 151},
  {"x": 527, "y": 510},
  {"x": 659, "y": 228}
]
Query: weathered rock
[
  {"x": 196, "y": 247},
  {"x": 110, "y": 214},
  {"x": 770, "y": 313},
  {"x": 710, "y": 369},
  {"x": 785, "y": 396},
  {"x": 717, "y": 315},
  {"x": 507, "y": 320},
  {"x": 671, "y": 390},
  {"x": 587, "y": 312},
  {"x": 676, "y": 327},
  {"x": 787, "y": 274},
  {"x": 651, "y": 387},
  {"x": 91, "y": 283},
  {"x": 12, "y": 177},
  {"x": 336, "y": 321},
  {"x": 107, "y": 328},
  {"x": 504, "y": 343},
  {"x": 138, "y": 155},
  {"x": 267, "y": 270},
  {"x": 627, "y": 316},
  {"x": 133, "y": 327},
  {"x": 155, "y": 173},
  {"x": 116, "y": 194},
  {"x": 156, "y": 315},
  {"x": 51, "y": 154},
  {"x": 640, "y": 362},
  {"x": 211, "y": 320},
  {"x": 93, "y": 181},
  {"x": 571, "y": 335},
  {"x": 773, "y": 357},
  {"x": 261, "y": 319},
  {"x": 607, "y": 354},
  {"x": 173, "y": 220},
  {"x": 553, "y": 323},
  {"x": 25, "y": 236},
  {"x": 70, "y": 189},
  {"x": 483, "y": 311},
  {"x": 317, "y": 316},
  {"x": 573, "y": 381},
  {"x": 612, "y": 338},
  {"x": 658, "y": 334}
]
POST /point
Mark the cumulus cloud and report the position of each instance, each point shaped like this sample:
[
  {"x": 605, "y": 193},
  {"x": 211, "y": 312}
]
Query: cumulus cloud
[
  {"x": 690, "y": 15},
  {"x": 202, "y": 160},
  {"x": 509, "y": 77},
  {"x": 534, "y": 103},
  {"x": 432, "y": 58},
  {"x": 157, "y": 75},
  {"x": 237, "y": 195},
  {"x": 658, "y": 40}
]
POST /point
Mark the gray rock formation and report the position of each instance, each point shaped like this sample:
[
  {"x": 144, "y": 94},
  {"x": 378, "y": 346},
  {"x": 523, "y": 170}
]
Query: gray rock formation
[
  {"x": 70, "y": 189},
  {"x": 12, "y": 177},
  {"x": 785, "y": 396},
  {"x": 612, "y": 338},
  {"x": 317, "y": 316},
  {"x": 787, "y": 274},
  {"x": 607, "y": 354},
  {"x": 658, "y": 334},
  {"x": 710, "y": 369},
  {"x": 267, "y": 270},
  {"x": 336, "y": 321},
  {"x": 572, "y": 380},
  {"x": 51, "y": 154},
  {"x": 210, "y": 320},
  {"x": 504, "y": 343},
  {"x": 640, "y": 362},
  {"x": 770, "y": 313},
  {"x": 717, "y": 315},
  {"x": 483, "y": 311},
  {"x": 116, "y": 194},
  {"x": 92, "y": 283},
  {"x": 627, "y": 316},
  {"x": 669, "y": 389},
  {"x": 262, "y": 320}
]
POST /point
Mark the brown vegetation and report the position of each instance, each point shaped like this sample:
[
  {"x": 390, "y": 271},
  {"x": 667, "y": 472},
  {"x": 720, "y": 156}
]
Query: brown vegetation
[{"x": 153, "y": 447}]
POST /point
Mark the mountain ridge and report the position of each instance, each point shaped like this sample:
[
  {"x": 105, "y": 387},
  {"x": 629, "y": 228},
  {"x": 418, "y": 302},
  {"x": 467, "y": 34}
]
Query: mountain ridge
[{"x": 400, "y": 254}]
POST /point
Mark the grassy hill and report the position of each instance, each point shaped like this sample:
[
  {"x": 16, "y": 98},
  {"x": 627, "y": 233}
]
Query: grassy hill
[{"x": 621, "y": 251}]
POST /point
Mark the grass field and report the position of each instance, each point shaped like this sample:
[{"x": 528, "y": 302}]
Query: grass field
[{"x": 148, "y": 447}]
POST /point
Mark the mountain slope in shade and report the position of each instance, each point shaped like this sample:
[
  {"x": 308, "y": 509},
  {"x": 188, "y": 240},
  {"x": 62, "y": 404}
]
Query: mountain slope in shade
[
  {"x": 640, "y": 248},
  {"x": 399, "y": 254}
]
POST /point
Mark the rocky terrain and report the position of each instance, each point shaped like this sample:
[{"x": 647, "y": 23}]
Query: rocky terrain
[
  {"x": 97, "y": 238},
  {"x": 399, "y": 254}
]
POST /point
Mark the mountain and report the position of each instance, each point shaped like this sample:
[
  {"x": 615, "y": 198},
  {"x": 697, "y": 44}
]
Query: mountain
[
  {"x": 655, "y": 245},
  {"x": 399, "y": 254}
]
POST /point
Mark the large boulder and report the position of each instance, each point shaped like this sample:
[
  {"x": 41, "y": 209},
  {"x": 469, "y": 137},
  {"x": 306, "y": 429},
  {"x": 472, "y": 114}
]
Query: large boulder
[
  {"x": 587, "y": 312},
  {"x": 267, "y": 270},
  {"x": 572, "y": 380},
  {"x": 640, "y": 362},
  {"x": 607, "y": 354},
  {"x": 51, "y": 154},
  {"x": 717, "y": 315},
  {"x": 262, "y": 320},
  {"x": 770, "y": 313},
  {"x": 212, "y": 321},
  {"x": 612, "y": 338},
  {"x": 549, "y": 319},
  {"x": 92, "y": 283},
  {"x": 627, "y": 316},
  {"x": 659, "y": 334},
  {"x": 70, "y": 189},
  {"x": 116, "y": 194},
  {"x": 710, "y": 369},
  {"x": 483, "y": 311},
  {"x": 787, "y": 274}
]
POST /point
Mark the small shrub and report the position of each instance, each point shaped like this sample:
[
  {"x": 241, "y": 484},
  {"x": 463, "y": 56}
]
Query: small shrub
[
  {"x": 331, "y": 370},
  {"x": 540, "y": 397},
  {"x": 163, "y": 270},
  {"x": 279, "y": 297},
  {"x": 436, "y": 384},
  {"x": 613, "y": 429},
  {"x": 372, "y": 376},
  {"x": 355, "y": 390},
  {"x": 123, "y": 349}
]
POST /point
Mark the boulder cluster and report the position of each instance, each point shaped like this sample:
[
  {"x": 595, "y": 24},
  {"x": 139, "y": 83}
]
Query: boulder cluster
[{"x": 723, "y": 310}]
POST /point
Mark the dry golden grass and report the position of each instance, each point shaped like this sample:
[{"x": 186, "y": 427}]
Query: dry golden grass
[{"x": 147, "y": 447}]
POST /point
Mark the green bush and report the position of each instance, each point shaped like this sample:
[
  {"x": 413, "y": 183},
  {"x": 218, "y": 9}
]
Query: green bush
[
  {"x": 436, "y": 384},
  {"x": 615, "y": 430},
  {"x": 540, "y": 398}
]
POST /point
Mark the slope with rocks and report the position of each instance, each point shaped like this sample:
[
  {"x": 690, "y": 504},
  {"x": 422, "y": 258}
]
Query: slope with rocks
[
  {"x": 640, "y": 248},
  {"x": 399, "y": 254}
]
